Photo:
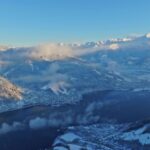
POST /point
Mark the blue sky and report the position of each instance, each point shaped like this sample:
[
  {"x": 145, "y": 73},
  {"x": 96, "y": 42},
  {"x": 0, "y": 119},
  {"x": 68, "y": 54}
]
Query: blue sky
[{"x": 30, "y": 22}]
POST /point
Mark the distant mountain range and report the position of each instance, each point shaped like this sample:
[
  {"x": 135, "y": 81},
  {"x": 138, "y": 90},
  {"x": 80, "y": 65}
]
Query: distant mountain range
[{"x": 61, "y": 73}]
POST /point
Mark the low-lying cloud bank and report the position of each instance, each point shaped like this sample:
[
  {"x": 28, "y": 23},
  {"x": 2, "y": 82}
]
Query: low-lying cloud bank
[
  {"x": 54, "y": 51},
  {"x": 56, "y": 119},
  {"x": 5, "y": 128}
]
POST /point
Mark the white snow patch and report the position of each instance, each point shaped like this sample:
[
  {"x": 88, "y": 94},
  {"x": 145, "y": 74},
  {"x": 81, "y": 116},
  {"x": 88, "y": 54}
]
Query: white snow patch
[
  {"x": 74, "y": 147},
  {"x": 69, "y": 137},
  {"x": 60, "y": 148},
  {"x": 138, "y": 135},
  {"x": 57, "y": 87}
]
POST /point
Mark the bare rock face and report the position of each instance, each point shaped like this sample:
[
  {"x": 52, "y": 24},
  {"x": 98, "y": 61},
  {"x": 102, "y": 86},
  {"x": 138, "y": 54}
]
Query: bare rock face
[{"x": 9, "y": 90}]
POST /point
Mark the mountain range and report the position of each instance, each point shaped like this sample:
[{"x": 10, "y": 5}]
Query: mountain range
[{"x": 62, "y": 73}]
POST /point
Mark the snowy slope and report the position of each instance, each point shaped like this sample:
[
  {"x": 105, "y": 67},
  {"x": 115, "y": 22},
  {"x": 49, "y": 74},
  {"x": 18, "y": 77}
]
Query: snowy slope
[
  {"x": 9, "y": 91},
  {"x": 138, "y": 132},
  {"x": 62, "y": 73}
]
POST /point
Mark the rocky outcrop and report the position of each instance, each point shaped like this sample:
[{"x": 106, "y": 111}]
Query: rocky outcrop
[{"x": 9, "y": 91}]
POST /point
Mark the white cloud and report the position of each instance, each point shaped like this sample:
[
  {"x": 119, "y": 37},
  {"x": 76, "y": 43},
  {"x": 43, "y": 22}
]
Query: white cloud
[
  {"x": 148, "y": 35},
  {"x": 5, "y": 128},
  {"x": 38, "y": 122},
  {"x": 51, "y": 51},
  {"x": 114, "y": 46}
]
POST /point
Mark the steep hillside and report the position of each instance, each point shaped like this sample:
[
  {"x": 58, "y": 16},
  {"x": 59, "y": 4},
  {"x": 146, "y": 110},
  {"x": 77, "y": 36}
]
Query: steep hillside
[{"x": 9, "y": 91}]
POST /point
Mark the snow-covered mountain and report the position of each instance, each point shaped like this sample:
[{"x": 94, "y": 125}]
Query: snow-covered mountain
[
  {"x": 55, "y": 51},
  {"x": 62, "y": 73}
]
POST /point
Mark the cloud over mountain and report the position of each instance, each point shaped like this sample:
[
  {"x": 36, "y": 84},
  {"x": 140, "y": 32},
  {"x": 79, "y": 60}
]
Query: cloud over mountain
[
  {"x": 51, "y": 50},
  {"x": 56, "y": 51}
]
